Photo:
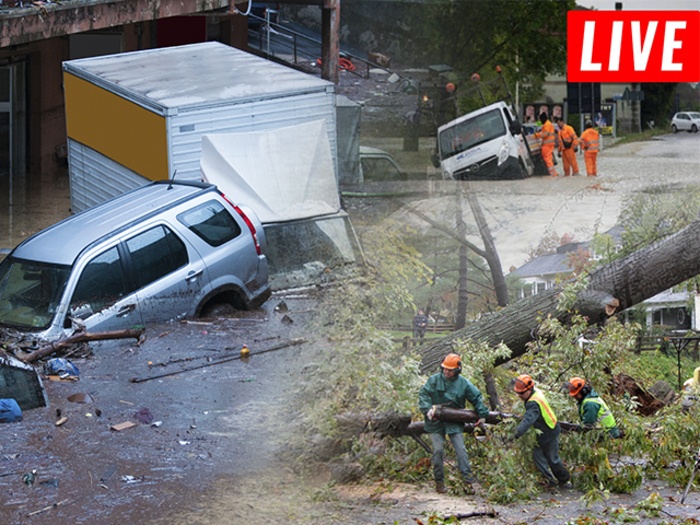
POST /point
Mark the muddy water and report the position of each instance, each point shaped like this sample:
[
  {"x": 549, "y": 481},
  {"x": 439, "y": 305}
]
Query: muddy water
[
  {"x": 224, "y": 427},
  {"x": 30, "y": 203}
]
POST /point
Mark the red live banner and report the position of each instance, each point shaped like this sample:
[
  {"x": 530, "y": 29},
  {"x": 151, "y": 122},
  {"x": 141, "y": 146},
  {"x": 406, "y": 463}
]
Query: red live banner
[{"x": 633, "y": 46}]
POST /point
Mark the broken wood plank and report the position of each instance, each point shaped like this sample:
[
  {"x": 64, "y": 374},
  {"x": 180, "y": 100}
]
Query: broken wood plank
[
  {"x": 60, "y": 421},
  {"x": 123, "y": 426},
  {"x": 291, "y": 342},
  {"x": 129, "y": 333}
]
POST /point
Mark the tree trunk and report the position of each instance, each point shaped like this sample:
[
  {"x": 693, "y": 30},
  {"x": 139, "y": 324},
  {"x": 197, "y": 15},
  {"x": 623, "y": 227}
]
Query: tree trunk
[
  {"x": 490, "y": 253},
  {"x": 129, "y": 333},
  {"x": 462, "y": 295},
  {"x": 614, "y": 287}
]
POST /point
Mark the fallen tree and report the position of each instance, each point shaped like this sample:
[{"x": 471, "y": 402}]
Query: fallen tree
[{"x": 612, "y": 288}]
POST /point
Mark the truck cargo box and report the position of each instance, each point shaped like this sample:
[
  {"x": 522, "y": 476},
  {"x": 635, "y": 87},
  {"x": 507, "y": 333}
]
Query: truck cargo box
[{"x": 136, "y": 117}]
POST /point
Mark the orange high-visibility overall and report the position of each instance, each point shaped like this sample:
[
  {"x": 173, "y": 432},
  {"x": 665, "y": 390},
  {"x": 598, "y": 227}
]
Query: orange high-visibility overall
[
  {"x": 589, "y": 140},
  {"x": 567, "y": 135},
  {"x": 547, "y": 136}
]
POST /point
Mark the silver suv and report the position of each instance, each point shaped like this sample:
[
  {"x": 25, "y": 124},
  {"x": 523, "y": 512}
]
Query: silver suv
[{"x": 165, "y": 251}]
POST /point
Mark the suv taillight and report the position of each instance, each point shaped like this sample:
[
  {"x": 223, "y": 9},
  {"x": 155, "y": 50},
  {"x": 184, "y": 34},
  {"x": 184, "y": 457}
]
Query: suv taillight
[{"x": 248, "y": 222}]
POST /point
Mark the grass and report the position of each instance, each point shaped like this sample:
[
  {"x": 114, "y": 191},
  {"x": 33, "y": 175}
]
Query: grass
[{"x": 647, "y": 134}]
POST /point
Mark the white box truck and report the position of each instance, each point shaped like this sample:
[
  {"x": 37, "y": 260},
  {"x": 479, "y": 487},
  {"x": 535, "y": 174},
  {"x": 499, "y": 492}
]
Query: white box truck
[{"x": 136, "y": 117}]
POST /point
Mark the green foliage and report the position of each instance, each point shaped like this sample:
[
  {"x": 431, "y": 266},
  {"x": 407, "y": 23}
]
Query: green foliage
[
  {"x": 324, "y": 493},
  {"x": 659, "y": 101},
  {"x": 481, "y": 358},
  {"x": 361, "y": 362},
  {"x": 525, "y": 38}
]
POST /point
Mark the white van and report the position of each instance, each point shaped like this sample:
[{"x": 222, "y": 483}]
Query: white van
[{"x": 485, "y": 144}]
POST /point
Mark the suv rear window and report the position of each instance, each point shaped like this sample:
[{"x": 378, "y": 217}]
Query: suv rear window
[{"x": 211, "y": 222}]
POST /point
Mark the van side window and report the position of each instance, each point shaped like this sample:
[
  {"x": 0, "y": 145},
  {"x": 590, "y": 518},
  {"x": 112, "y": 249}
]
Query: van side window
[
  {"x": 155, "y": 253},
  {"x": 212, "y": 222},
  {"x": 100, "y": 285}
]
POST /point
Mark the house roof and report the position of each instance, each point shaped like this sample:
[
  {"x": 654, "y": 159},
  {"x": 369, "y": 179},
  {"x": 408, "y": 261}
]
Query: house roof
[
  {"x": 667, "y": 297},
  {"x": 543, "y": 265}
]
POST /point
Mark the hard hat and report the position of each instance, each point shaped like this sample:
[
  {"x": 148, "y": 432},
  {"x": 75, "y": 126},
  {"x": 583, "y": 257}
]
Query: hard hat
[
  {"x": 450, "y": 87},
  {"x": 451, "y": 362},
  {"x": 523, "y": 383},
  {"x": 575, "y": 385}
]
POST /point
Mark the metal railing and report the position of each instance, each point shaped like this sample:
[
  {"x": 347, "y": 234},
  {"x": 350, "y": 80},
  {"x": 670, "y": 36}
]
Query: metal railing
[{"x": 299, "y": 46}]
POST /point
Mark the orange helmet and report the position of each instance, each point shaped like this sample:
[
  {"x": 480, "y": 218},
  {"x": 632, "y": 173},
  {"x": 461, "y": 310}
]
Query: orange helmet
[
  {"x": 452, "y": 362},
  {"x": 575, "y": 385},
  {"x": 523, "y": 383}
]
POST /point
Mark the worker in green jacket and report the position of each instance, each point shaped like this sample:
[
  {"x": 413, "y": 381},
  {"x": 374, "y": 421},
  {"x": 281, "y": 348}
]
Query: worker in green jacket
[
  {"x": 448, "y": 389},
  {"x": 591, "y": 408}
]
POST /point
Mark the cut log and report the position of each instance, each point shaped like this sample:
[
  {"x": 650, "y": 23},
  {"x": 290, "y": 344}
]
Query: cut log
[
  {"x": 80, "y": 337},
  {"x": 616, "y": 286},
  {"x": 391, "y": 424}
]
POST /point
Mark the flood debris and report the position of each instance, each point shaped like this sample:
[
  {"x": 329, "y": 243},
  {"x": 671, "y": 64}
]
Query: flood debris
[
  {"x": 61, "y": 367},
  {"x": 291, "y": 342},
  {"x": 123, "y": 426},
  {"x": 80, "y": 337},
  {"x": 144, "y": 416},
  {"x": 132, "y": 479},
  {"x": 281, "y": 307},
  {"x": 10, "y": 412},
  {"x": 20, "y": 381},
  {"x": 108, "y": 473},
  {"x": 80, "y": 398},
  {"x": 61, "y": 421},
  {"x": 29, "y": 477}
]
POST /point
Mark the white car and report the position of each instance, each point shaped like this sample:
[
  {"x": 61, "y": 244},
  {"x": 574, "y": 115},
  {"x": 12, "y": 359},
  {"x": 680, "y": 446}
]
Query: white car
[{"x": 686, "y": 120}]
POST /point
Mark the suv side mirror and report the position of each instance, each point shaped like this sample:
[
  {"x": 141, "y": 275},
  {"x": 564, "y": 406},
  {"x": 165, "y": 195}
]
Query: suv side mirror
[
  {"x": 516, "y": 128},
  {"x": 435, "y": 159}
]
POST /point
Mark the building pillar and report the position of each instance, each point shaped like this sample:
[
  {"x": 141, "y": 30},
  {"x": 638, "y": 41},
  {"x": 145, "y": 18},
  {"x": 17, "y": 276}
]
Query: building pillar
[{"x": 330, "y": 48}]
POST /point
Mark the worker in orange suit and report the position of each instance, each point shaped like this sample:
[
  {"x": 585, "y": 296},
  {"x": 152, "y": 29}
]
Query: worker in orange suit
[
  {"x": 589, "y": 142},
  {"x": 547, "y": 135},
  {"x": 568, "y": 146}
]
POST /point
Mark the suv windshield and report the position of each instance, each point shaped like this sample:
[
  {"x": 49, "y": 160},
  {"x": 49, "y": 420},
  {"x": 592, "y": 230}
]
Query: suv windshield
[
  {"x": 30, "y": 292},
  {"x": 471, "y": 132}
]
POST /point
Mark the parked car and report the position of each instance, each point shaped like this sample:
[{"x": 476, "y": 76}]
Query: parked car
[
  {"x": 686, "y": 121},
  {"x": 168, "y": 250},
  {"x": 378, "y": 165}
]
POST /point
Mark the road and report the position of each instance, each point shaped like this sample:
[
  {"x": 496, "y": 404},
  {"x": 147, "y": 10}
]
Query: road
[{"x": 521, "y": 212}]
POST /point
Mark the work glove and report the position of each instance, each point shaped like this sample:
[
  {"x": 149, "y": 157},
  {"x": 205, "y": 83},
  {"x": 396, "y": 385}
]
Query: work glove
[
  {"x": 559, "y": 154},
  {"x": 431, "y": 413},
  {"x": 575, "y": 149},
  {"x": 481, "y": 422}
]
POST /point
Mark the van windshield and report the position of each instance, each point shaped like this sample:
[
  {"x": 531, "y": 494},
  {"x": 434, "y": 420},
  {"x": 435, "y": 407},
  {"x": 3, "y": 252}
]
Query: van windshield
[
  {"x": 471, "y": 132},
  {"x": 30, "y": 292}
]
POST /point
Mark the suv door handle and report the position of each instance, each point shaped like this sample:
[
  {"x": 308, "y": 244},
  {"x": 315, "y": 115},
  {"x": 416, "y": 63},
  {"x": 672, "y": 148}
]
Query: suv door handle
[
  {"x": 193, "y": 275},
  {"x": 125, "y": 310}
]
